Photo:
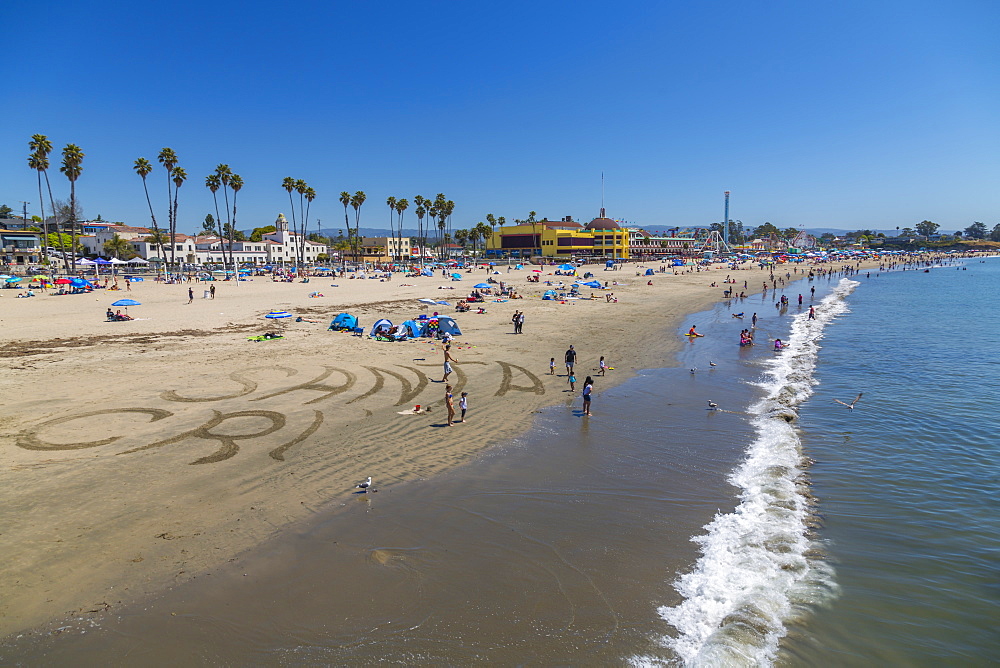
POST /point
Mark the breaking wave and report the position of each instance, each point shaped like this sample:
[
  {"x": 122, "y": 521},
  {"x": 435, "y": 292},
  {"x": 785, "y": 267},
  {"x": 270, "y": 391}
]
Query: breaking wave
[{"x": 759, "y": 568}]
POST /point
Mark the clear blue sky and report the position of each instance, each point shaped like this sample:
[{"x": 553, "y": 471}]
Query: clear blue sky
[{"x": 822, "y": 114}]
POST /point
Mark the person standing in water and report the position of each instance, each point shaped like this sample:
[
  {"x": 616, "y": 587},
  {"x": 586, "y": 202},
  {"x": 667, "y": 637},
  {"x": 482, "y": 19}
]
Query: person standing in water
[{"x": 588, "y": 390}]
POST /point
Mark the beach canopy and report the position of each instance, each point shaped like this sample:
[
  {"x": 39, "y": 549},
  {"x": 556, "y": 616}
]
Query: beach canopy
[
  {"x": 137, "y": 260},
  {"x": 79, "y": 282},
  {"x": 115, "y": 260},
  {"x": 609, "y": 263},
  {"x": 456, "y": 277},
  {"x": 344, "y": 322},
  {"x": 411, "y": 328},
  {"x": 426, "y": 301},
  {"x": 101, "y": 260},
  {"x": 84, "y": 262},
  {"x": 274, "y": 315},
  {"x": 126, "y": 302},
  {"x": 566, "y": 267},
  {"x": 63, "y": 281},
  {"x": 427, "y": 272},
  {"x": 482, "y": 286},
  {"x": 383, "y": 324},
  {"x": 549, "y": 295},
  {"x": 593, "y": 284}
]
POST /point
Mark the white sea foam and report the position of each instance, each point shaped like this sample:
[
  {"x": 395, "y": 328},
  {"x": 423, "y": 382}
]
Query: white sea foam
[{"x": 756, "y": 571}]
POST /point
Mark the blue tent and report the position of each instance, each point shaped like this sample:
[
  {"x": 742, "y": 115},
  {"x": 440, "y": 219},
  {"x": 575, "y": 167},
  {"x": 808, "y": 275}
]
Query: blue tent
[
  {"x": 649, "y": 272},
  {"x": 566, "y": 267},
  {"x": 593, "y": 284},
  {"x": 411, "y": 328},
  {"x": 344, "y": 322},
  {"x": 380, "y": 325},
  {"x": 549, "y": 294},
  {"x": 609, "y": 264},
  {"x": 427, "y": 272},
  {"x": 448, "y": 325}
]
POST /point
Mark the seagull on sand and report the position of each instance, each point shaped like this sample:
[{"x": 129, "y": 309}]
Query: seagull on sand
[
  {"x": 850, "y": 405},
  {"x": 712, "y": 405},
  {"x": 364, "y": 485}
]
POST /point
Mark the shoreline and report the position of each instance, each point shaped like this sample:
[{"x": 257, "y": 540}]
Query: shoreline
[{"x": 265, "y": 505}]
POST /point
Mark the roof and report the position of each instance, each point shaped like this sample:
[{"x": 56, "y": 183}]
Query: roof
[{"x": 603, "y": 224}]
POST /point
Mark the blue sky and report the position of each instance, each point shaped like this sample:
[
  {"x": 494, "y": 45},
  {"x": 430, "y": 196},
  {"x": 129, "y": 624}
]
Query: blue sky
[{"x": 848, "y": 115}]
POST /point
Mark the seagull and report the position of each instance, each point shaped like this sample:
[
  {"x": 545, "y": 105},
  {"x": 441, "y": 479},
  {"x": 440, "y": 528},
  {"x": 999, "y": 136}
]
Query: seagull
[
  {"x": 712, "y": 364},
  {"x": 850, "y": 405},
  {"x": 712, "y": 405},
  {"x": 364, "y": 485},
  {"x": 694, "y": 369}
]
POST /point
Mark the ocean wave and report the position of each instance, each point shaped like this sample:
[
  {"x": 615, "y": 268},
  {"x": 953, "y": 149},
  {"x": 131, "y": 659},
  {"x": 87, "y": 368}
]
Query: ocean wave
[{"x": 759, "y": 567}]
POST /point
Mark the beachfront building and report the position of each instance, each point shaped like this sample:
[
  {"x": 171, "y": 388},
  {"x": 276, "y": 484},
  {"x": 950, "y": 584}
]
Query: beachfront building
[
  {"x": 20, "y": 247},
  {"x": 381, "y": 249},
  {"x": 652, "y": 246},
  {"x": 564, "y": 239}
]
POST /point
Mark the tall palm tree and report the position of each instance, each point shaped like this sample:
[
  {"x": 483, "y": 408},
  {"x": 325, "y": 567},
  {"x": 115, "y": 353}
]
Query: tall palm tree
[
  {"x": 213, "y": 182},
  {"x": 288, "y": 183},
  {"x": 72, "y": 167},
  {"x": 309, "y": 195},
  {"x": 421, "y": 212},
  {"x": 345, "y": 199},
  {"x": 357, "y": 200},
  {"x": 168, "y": 158},
  {"x": 41, "y": 146},
  {"x": 301, "y": 187},
  {"x": 401, "y": 206},
  {"x": 179, "y": 176},
  {"x": 144, "y": 168},
  {"x": 40, "y": 163},
  {"x": 391, "y": 203},
  {"x": 236, "y": 185}
]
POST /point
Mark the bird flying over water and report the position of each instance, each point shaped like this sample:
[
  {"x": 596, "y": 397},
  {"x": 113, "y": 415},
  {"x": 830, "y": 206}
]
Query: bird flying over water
[
  {"x": 364, "y": 485},
  {"x": 850, "y": 405}
]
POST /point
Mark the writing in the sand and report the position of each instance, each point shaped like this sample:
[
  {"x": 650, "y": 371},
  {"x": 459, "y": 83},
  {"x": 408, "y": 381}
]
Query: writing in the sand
[{"x": 224, "y": 431}]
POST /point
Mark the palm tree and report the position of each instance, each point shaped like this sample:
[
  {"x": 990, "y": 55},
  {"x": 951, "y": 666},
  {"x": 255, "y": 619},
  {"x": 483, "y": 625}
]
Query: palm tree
[
  {"x": 300, "y": 247},
  {"x": 401, "y": 206},
  {"x": 213, "y": 182},
  {"x": 236, "y": 184},
  {"x": 179, "y": 177},
  {"x": 168, "y": 159},
  {"x": 356, "y": 201},
  {"x": 116, "y": 246},
  {"x": 40, "y": 163},
  {"x": 144, "y": 168},
  {"x": 41, "y": 146},
  {"x": 310, "y": 196},
  {"x": 391, "y": 203},
  {"x": 345, "y": 199},
  {"x": 288, "y": 183},
  {"x": 72, "y": 167}
]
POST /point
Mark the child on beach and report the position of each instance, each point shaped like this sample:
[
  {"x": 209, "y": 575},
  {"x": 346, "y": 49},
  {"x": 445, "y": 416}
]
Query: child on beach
[
  {"x": 552, "y": 366},
  {"x": 572, "y": 382},
  {"x": 603, "y": 366},
  {"x": 588, "y": 390},
  {"x": 463, "y": 404}
]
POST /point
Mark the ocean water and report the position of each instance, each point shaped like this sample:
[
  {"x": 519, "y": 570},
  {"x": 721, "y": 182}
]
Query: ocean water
[{"x": 780, "y": 528}]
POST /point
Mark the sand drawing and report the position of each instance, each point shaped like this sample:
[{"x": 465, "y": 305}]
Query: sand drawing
[
  {"x": 28, "y": 439},
  {"x": 249, "y": 386},
  {"x": 507, "y": 384},
  {"x": 317, "y": 385}
]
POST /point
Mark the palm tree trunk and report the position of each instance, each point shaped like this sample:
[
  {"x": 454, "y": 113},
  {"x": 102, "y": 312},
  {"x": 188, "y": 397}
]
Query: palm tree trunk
[
  {"x": 170, "y": 222},
  {"x": 173, "y": 244},
  {"x": 222, "y": 238},
  {"x": 52, "y": 206},
  {"x": 72, "y": 213},
  {"x": 45, "y": 224},
  {"x": 152, "y": 215},
  {"x": 232, "y": 235},
  {"x": 305, "y": 230}
]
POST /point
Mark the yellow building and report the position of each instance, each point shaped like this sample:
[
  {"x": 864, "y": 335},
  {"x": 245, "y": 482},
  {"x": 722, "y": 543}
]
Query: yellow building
[{"x": 566, "y": 239}]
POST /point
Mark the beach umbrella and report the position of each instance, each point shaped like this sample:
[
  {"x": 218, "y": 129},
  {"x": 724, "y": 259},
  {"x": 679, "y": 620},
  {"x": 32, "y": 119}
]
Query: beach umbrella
[
  {"x": 457, "y": 277},
  {"x": 79, "y": 282},
  {"x": 39, "y": 277},
  {"x": 63, "y": 281},
  {"x": 566, "y": 267},
  {"x": 274, "y": 315},
  {"x": 427, "y": 301},
  {"x": 126, "y": 303},
  {"x": 482, "y": 286},
  {"x": 443, "y": 303},
  {"x": 537, "y": 271},
  {"x": 13, "y": 279}
]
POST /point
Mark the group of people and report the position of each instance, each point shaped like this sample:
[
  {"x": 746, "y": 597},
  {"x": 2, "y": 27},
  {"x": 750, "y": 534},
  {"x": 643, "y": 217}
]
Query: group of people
[
  {"x": 746, "y": 337},
  {"x": 518, "y": 321},
  {"x": 117, "y": 316}
]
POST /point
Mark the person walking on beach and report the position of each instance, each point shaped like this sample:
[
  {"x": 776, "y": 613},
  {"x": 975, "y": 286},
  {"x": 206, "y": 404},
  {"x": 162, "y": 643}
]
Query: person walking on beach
[
  {"x": 211, "y": 290},
  {"x": 552, "y": 366},
  {"x": 753, "y": 321},
  {"x": 602, "y": 366},
  {"x": 449, "y": 402},
  {"x": 588, "y": 390},
  {"x": 520, "y": 322},
  {"x": 448, "y": 359},
  {"x": 572, "y": 382},
  {"x": 514, "y": 320},
  {"x": 570, "y": 360},
  {"x": 128, "y": 284},
  {"x": 463, "y": 404},
  {"x": 190, "y": 295}
]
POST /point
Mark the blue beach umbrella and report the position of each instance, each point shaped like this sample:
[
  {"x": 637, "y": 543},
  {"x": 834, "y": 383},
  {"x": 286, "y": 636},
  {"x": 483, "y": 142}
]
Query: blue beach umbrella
[
  {"x": 457, "y": 277},
  {"x": 126, "y": 302},
  {"x": 13, "y": 279},
  {"x": 483, "y": 286},
  {"x": 566, "y": 267},
  {"x": 79, "y": 282}
]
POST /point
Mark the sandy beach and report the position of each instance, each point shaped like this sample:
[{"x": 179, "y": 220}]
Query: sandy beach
[{"x": 140, "y": 454}]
